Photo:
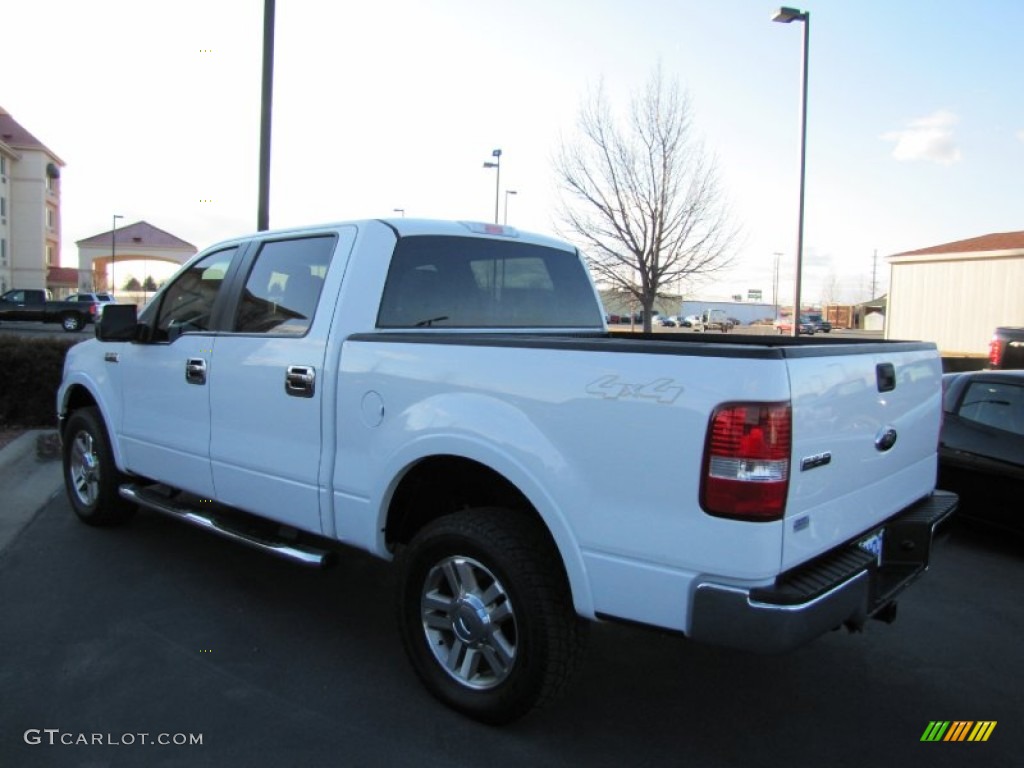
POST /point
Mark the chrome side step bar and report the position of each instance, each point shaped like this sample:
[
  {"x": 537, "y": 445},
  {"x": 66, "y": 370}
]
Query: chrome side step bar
[{"x": 265, "y": 542}]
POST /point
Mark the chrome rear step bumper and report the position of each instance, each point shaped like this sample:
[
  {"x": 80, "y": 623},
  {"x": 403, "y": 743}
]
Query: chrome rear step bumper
[{"x": 843, "y": 587}]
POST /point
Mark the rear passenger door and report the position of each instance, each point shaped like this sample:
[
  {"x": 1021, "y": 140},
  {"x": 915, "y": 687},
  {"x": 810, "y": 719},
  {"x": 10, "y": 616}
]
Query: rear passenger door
[{"x": 267, "y": 381}]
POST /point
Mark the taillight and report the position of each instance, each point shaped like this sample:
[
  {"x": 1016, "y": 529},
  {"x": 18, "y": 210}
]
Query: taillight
[
  {"x": 995, "y": 352},
  {"x": 93, "y": 309},
  {"x": 746, "y": 461}
]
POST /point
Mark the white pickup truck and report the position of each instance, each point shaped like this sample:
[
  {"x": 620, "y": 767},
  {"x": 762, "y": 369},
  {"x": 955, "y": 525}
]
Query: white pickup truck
[{"x": 446, "y": 394}]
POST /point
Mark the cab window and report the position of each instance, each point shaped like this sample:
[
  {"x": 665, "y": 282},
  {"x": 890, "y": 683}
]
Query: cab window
[
  {"x": 187, "y": 305},
  {"x": 283, "y": 287}
]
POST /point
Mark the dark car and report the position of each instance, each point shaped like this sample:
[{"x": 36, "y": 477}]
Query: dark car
[
  {"x": 981, "y": 448},
  {"x": 821, "y": 325}
]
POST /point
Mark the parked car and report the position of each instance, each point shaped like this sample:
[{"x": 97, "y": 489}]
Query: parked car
[
  {"x": 981, "y": 448},
  {"x": 785, "y": 325},
  {"x": 355, "y": 383},
  {"x": 98, "y": 299},
  {"x": 665, "y": 321},
  {"x": 713, "y": 320},
  {"x": 821, "y": 325},
  {"x": 1006, "y": 349},
  {"x": 36, "y": 305}
]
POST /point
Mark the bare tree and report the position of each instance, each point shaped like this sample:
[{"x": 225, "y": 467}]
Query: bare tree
[
  {"x": 830, "y": 288},
  {"x": 641, "y": 196}
]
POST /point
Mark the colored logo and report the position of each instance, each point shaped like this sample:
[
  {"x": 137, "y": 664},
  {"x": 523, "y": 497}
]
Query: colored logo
[{"x": 958, "y": 730}]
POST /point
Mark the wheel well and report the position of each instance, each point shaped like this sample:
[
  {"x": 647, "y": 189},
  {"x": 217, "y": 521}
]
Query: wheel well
[
  {"x": 78, "y": 397},
  {"x": 441, "y": 485}
]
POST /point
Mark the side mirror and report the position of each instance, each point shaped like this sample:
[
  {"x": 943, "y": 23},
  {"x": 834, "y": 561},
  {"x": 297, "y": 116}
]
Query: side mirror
[{"x": 118, "y": 322}]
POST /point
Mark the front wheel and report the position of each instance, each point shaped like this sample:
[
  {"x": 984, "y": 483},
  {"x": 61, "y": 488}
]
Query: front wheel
[
  {"x": 486, "y": 614},
  {"x": 90, "y": 476}
]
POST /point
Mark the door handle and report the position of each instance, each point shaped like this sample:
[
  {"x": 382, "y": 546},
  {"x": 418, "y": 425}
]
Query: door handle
[
  {"x": 300, "y": 380},
  {"x": 195, "y": 370}
]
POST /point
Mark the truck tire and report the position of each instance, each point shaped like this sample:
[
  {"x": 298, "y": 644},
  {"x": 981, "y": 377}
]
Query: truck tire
[
  {"x": 91, "y": 478},
  {"x": 71, "y": 322},
  {"x": 486, "y": 614}
]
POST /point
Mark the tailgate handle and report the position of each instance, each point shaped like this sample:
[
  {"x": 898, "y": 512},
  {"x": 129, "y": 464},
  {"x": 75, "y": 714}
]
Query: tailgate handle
[{"x": 885, "y": 375}]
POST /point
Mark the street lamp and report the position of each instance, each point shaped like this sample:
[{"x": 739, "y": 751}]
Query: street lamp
[
  {"x": 785, "y": 16},
  {"x": 507, "y": 193},
  {"x": 113, "y": 254},
  {"x": 496, "y": 154},
  {"x": 266, "y": 116},
  {"x": 399, "y": 210},
  {"x": 775, "y": 285}
]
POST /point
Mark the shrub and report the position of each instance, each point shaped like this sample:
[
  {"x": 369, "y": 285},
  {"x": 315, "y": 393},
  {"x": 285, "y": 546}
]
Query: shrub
[{"x": 30, "y": 373}]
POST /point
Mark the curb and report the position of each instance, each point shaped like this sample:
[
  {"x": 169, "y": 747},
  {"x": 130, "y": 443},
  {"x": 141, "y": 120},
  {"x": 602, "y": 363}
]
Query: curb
[{"x": 30, "y": 475}]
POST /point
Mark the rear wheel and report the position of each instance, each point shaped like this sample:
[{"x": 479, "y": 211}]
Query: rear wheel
[
  {"x": 90, "y": 476},
  {"x": 72, "y": 321},
  {"x": 486, "y": 615}
]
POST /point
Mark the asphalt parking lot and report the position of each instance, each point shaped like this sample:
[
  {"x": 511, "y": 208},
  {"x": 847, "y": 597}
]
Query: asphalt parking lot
[{"x": 157, "y": 630}]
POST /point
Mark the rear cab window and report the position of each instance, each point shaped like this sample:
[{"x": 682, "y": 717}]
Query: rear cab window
[{"x": 464, "y": 282}]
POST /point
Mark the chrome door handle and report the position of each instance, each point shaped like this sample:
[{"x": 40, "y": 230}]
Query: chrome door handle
[
  {"x": 300, "y": 380},
  {"x": 195, "y": 370}
]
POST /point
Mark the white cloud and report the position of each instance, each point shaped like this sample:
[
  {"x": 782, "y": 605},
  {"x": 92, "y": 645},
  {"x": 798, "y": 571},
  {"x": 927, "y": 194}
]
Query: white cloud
[
  {"x": 927, "y": 138},
  {"x": 1020, "y": 135}
]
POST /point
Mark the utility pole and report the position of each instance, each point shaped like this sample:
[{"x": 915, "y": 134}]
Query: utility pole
[
  {"x": 874, "y": 270},
  {"x": 775, "y": 285},
  {"x": 266, "y": 110}
]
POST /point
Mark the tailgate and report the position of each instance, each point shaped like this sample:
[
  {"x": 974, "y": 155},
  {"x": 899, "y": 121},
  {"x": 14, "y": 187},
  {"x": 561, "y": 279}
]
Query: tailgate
[{"x": 865, "y": 434}]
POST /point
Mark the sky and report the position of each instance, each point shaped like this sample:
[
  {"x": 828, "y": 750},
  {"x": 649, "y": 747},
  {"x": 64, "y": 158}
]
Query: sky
[{"x": 915, "y": 127}]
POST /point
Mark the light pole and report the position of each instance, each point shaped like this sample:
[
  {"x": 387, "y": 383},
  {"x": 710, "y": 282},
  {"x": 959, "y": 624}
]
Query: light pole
[
  {"x": 399, "y": 210},
  {"x": 507, "y": 193},
  {"x": 266, "y": 112},
  {"x": 785, "y": 16},
  {"x": 775, "y": 285},
  {"x": 496, "y": 165},
  {"x": 113, "y": 254}
]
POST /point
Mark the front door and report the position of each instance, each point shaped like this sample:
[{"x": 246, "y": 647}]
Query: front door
[{"x": 166, "y": 411}]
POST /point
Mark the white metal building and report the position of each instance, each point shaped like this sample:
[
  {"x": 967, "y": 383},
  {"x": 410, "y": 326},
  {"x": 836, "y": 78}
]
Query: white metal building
[{"x": 956, "y": 294}]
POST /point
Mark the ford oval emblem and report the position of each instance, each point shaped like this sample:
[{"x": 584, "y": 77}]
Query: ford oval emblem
[{"x": 885, "y": 439}]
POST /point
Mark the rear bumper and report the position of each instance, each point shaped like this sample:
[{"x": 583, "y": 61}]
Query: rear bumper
[{"x": 844, "y": 586}]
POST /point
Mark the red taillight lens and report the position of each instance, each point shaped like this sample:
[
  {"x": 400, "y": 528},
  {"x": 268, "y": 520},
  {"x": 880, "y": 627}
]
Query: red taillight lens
[
  {"x": 995, "y": 352},
  {"x": 746, "y": 461}
]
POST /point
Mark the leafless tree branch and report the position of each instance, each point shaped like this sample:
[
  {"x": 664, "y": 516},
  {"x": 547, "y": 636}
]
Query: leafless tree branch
[{"x": 641, "y": 196}]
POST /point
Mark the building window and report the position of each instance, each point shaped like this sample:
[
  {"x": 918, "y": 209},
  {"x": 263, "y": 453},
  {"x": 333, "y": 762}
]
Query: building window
[
  {"x": 3, "y": 206},
  {"x": 50, "y": 218},
  {"x": 3, "y": 165},
  {"x": 3, "y": 250},
  {"x": 49, "y": 255}
]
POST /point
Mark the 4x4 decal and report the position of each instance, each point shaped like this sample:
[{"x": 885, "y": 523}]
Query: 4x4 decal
[{"x": 610, "y": 387}]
